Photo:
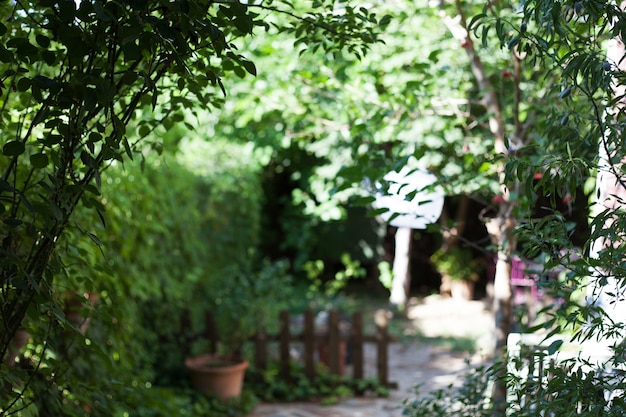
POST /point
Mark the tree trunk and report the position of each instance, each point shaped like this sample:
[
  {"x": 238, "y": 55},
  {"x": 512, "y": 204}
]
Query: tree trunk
[
  {"x": 401, "y": 269},
  {"x": 500, "y": 230},
  {"x": 501, "y": 227}
]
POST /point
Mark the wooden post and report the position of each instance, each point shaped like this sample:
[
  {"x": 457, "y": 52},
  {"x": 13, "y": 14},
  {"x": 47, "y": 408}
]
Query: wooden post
[
  {"x": 382, "y": 340},
  {"x": 333, "y": 343},
  {"x": 260, "y": 342},
  {"x": 356, "y": 339},
  {"x": 186, "y": 329},
  {"x": 309, "y": 344},
  {"x": 284, "y": 345},
  {"x": 211, "y": 332}
]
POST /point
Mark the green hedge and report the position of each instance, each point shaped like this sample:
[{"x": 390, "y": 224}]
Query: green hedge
[
  {"x": 167, "y": 229},
  {"x": 173, "y": 232}
]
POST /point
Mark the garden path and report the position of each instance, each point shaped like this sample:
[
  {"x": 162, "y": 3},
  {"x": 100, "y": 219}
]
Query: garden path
[{"x": 431, "y": 359}]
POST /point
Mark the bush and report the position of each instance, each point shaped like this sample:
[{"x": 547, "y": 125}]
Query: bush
[
  {"x": 157, "y": 244},
  {"x": 174, "y": 229}
]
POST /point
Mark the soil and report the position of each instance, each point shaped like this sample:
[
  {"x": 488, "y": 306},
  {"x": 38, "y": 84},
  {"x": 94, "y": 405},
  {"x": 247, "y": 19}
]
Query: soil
[{"x": 441, "y": 338}]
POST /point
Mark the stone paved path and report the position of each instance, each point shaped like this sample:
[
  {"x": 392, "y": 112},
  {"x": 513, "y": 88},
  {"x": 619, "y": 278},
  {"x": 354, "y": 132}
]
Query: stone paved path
[{"x": 432, "y": 365}]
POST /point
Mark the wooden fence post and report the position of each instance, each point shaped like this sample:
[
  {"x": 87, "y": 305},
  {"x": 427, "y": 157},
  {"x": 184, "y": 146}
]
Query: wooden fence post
[
  {"x": 185, "y": 325},
  {"x": 334, "y": 356},
  {"x": 356, "y": 343},
  {"x": 331, "y": 344},
  {"x": 260, "y": 347},
  {"x": 284, "y": 345},
  {"x": 309, "y": 344},
  {"x": 211, "y": 331}
]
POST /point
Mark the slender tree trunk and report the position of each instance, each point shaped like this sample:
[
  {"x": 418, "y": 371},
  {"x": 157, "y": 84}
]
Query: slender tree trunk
[
  {"x": 501, "y": 227},
  {"x": 401, "y": 268}
]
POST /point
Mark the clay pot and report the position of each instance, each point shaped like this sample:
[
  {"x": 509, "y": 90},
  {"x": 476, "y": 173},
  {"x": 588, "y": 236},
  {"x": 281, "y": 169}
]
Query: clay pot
[
  {"x": 217, "y": 376},
  {"x": 462, "y": 290}
]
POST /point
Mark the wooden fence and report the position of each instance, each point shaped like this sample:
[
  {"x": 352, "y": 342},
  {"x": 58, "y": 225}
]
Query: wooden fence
[{"x": 329, "y": 343}]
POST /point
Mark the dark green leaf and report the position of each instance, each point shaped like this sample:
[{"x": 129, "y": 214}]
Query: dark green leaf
[
  {"x": 13, "y": 148},
  {"x": 39, "y": 160},
  {"x": 87, "y": 159},
  {"x": 94, "y": 238},
  {"x": 249, "y": 66},
  {"x": 130, "y": 77},
  {"x": 23, "y": 84},
  {"x": 6, "y": 56},
  {"x": 12, "y": 222},
  {"x": 42, "y": 41},
  {"x": 239, "y": 72},
  {"x": 554, "y": 347},
  {"x": 49, "y": 57},
  {"x": 363, "y": 201},
  {"x": 127, "y": 148},
  {"x": 67, "y": 10},
  {"x": 5, "y": 186},
  {"x": 376, "y": 212}
]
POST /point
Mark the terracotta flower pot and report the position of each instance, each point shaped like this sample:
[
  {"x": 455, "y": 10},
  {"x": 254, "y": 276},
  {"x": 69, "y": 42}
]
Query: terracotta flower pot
[
  {"x": 462, "y": 290},
  {"x": 217, "y": 376}
]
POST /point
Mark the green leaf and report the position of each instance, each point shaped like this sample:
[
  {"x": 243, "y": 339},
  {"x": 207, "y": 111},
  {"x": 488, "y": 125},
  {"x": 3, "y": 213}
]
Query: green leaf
[
  {"x": 249, "y": 66},
  {"x": 363, "y": 201},
  {"x": 554, "y": 347},
  {"x": 130, "y": 77},
  {"x": 376, "y": 212},
  {"x": 39, "y": 160},
  {"x": 5, "y": 186},
  {"x": 6, "y": 56},
  {"x": 12, "y": 222},
  {"x": 67, "y": 10},
  {"x": 87, "y": 159},
  {"x": 23, "y": 84},
  {"x": 13, "y": 148},
  {"x": 127, "y": 148},
  {"x": 239, "y": 72},
  {"x": 95, "y": 239},
  {"x": 43, "y": 82},
  {"x": 49, "y": 57},
  {"x": 42, "y": 41},
  {"x": 484, "y": 167}
]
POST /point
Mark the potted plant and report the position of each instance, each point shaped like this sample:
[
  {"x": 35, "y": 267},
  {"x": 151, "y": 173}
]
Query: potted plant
[
  {"x": 241, "y": 301},
  {"x": 459, "y": 268}
]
